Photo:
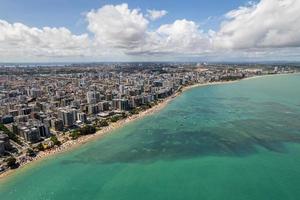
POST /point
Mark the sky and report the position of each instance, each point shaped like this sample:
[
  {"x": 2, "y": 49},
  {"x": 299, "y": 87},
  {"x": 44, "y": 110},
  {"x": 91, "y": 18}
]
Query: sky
[{"x": 143, "y": 30}]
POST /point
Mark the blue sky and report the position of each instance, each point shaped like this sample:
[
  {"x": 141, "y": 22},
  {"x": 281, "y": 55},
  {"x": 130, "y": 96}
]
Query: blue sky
[
  {"x": 190, "y": 30},
  {"x": 69, "y": 13}
]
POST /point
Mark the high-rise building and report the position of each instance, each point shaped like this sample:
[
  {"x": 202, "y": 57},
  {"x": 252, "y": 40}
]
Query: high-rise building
[
  {"x": 2, "y": 147},
  {"x": 44, "y": 130},
  {"x": 81, "y": 116},
  {"x": 121, "y": 89},
  {"x": 4, "y": 143},
  {"x": 57, "y": 124},
  {"x": 103, "y": 106},
  {"x": 31, "y": 135},
  {"x": 120, "y": 104},
  {"x": 68, "y": 116},
  {"x": 92, "y": 97},
  {"x": 93, "y": 109},
  {"x": 124, "y": 104}
]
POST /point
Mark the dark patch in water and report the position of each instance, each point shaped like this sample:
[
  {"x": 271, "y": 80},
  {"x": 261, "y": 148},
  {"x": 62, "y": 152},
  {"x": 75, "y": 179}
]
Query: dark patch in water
[
  {"x": 177, "y": 112},
  {"x": 240, "y": 99},
  {"x": 164, "y": 144},
  {"x": 274, "y": 106},
  {"x": 273, "y": 124},
  {"x": 204, "y": 110}
]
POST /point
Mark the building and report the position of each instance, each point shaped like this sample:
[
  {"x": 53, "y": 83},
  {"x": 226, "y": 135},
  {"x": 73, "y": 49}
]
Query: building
[
  {"x": 103, "y": 106},
  {"x": 21, "y": 118},
  {"x": 2, "y": 147},
  {"x": 81, "y": 116},
  {"x": 124, "y": 104},
  {"x": 4, "y": 143},
  {"x": 93, "y": 97},
  {"x": 32, "y": 135},
  {"x": 35, "y": 92},
  {"x": 93, "y": 109},
  {"x": 121, "y": 89},
  {"x": 43, "y": 130},
  {"x": 57, "y": 124},
  {"x": 25, "y": 111},
  {"x": 116, "y": 104},
  {"x": 120, "y": 104},
  {"x": 68, "y": 116},
  {"x": 7, "y": 119}
]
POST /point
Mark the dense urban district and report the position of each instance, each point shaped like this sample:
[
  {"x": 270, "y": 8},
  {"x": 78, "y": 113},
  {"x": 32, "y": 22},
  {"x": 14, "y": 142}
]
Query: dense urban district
[{"x": 43, "y": 107}]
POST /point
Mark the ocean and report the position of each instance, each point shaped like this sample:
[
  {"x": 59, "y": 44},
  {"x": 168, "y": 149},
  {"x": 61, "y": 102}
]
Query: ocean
[{"x": 234, "y": 141}]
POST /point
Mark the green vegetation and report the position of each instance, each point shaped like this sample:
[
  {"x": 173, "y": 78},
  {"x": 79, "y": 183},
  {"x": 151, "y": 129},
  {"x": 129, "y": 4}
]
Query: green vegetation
[
  {"x": 135, "y": 111},
  {"x": 152, "y": 104},
  {"x": 30, "y": 152},
  {"x": 11, "y": 162},
  {"x": 103, "y": 123},
  {"x": 74, "y": 135},
  {"x": 55, "y": 140},
  {"x": 231, "y": 78},
  {"x": 86, "y": 130},
  {"x": 116, "y": 118},
  {"x": 146, "y": 106},
  {"x": 11, "y": 135},
  {"x": 40, "y": 147}
]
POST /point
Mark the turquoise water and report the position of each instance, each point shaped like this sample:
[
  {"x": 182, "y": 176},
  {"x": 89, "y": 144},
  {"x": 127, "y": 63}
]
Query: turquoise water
[{"x": 233, "y": 141}]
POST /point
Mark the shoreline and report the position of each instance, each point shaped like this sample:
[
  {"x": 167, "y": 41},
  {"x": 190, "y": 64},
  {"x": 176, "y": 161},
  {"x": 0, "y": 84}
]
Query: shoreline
[{"x": 73, "y": 144}]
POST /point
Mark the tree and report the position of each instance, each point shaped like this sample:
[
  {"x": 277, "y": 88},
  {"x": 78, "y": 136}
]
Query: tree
[
  {"x": 115, "y": 118},
  {"x": 86, "y": 130},
  {"x": 11, "y": 162},
  {"x": 55, "y": 140},
  {"x": 40, "y": 147},
  {"x": 103, "y": 123},
  {"x": 134, "y": 111},
  {"x": 74, "y": 135},
  {"x": 124, "y": 115},
  {"x": 30, "y": 152}
]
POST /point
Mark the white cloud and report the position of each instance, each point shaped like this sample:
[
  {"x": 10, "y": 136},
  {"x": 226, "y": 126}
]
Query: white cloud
[
  {"x": 156, "y": 14},
  {"x": 269, "y": 23},
  {"x": 181, "y": 37},
  {"x": 20, "y": 40},
  {"x": 267, "y": 29},
  {"x": 120, "y": 27},
  {"x": 117, "y": 26}
]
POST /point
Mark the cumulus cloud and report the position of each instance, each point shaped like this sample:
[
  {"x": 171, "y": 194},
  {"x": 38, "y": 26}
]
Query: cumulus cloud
[
  {"x": 20, "y": 40},
  {"x": 127, "y": 29},
  {"x": 156, "y": 14},
  {"x": 117, "y": 26},
  {"x": 180, "y": 37},
  {"x": 268, "y": 28},
  {"x": 269, "y": 23}
]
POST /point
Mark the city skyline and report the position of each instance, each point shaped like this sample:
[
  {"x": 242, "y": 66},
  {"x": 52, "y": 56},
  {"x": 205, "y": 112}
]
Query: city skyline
[{"x": 80, "y": 31}]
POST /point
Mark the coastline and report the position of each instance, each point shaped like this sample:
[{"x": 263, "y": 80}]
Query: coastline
[{"x": 73, "y": 144}]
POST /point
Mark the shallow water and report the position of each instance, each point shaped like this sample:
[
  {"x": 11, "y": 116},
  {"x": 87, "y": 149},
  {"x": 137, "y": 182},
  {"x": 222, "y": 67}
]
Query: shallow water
[{"x": 231, "y": 141}]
